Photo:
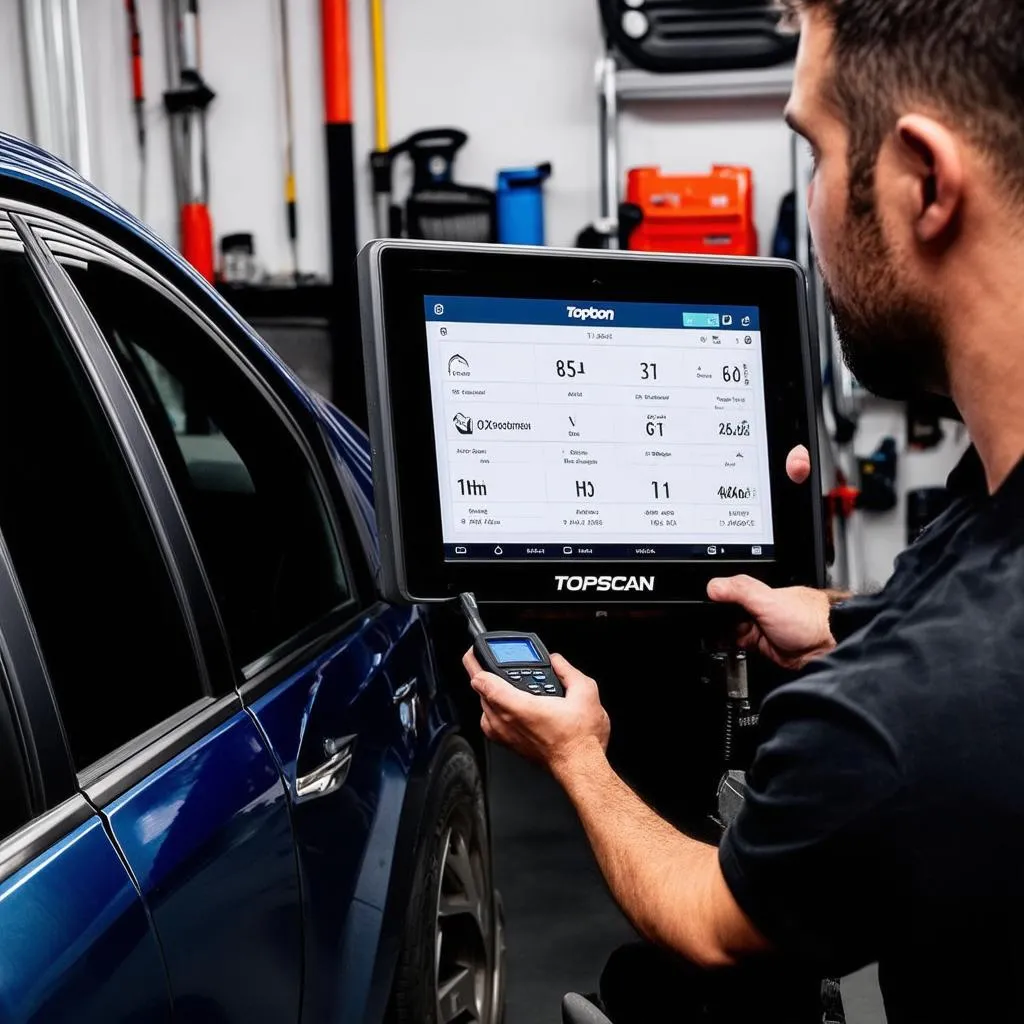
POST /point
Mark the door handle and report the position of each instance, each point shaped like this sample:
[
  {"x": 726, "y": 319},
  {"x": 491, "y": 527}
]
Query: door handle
[
  {"x": 405, "y": 691},
  {"x": 329, "y": 776},
  {"x": 408, "y": 703}
]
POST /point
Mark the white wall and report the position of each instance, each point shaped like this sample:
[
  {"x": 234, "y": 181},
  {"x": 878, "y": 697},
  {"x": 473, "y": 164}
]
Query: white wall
[{"x": 518, "y": 77}]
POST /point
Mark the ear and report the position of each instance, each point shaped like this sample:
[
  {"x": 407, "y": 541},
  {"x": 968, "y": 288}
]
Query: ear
[{"x": 929, "y": 154}]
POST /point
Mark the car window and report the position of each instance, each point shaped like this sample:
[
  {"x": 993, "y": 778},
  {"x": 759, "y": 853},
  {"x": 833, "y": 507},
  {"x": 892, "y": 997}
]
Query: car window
[
  {"x": 244, "y": 482},
  {"x": 81, "y": 542}
]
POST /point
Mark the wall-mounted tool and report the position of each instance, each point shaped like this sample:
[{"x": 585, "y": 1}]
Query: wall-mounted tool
[
  {"x": 138, "y": 96},
  {"x": 290, "y": 192},
  {"x": 697, "y": 35},
  {"x": 698, "y": 213},
  {"x": 341, "y": 182},
  {"x": 842, "y": 539},
  {"x": 186, "y": 102},
  {"x": 878, "y": 478},
  {"x": 346, "y": 387},
  {"x": 438, "y": 207},
  {"x": 238, "y": 264},
  {"x": 387, "y": 218}
]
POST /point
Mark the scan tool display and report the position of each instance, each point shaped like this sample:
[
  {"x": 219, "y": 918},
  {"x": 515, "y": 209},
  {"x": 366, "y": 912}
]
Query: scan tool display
[
  {"x": 624, "y": 430},
  {"x": 565, "y": 425}
]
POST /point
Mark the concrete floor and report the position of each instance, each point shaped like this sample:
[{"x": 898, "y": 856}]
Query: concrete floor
[{"x": 562, "y": 924}]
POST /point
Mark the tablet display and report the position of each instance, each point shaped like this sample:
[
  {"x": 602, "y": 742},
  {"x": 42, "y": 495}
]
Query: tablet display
[
  {"x": 574, "y": 426},
  {"x": 564, "y": 429}
]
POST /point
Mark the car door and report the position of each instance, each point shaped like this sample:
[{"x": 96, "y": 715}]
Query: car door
[
  {"x": 76, "y": 943},
  {"x": 180, "y": 773},
  {"x": 334, "y": 684}
]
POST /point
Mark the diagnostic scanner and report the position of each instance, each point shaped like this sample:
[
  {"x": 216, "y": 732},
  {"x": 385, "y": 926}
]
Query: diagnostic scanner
[
  {"x": 583, "y": 427},
  {"x": 519, "y": 658}
]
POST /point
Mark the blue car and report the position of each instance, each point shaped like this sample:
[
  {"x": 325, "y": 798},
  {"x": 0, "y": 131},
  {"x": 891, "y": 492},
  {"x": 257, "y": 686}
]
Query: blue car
[{"x": 234, "y": 786}]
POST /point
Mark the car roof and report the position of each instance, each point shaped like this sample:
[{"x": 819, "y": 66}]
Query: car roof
[{"x": 24, "y": 162}]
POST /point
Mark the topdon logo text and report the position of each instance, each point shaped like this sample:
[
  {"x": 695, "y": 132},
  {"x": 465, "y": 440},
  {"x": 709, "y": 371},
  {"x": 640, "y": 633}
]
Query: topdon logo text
[
  {"x": 589, "y": 313},
  {"x": 605, "y": 583}
]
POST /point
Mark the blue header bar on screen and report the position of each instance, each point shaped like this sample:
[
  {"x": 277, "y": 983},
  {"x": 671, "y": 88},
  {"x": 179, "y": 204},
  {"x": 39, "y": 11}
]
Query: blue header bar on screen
[{"x": 587, "y": 312}]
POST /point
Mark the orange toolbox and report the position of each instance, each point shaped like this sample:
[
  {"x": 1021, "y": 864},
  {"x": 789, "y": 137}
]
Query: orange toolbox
[{"x": 700, "y": 213}]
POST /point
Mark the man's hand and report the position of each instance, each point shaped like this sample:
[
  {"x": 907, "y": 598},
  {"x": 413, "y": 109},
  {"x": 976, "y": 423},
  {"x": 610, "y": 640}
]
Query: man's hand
[
  {"x": 670, "y": 886},
  {"x": 551, "y": 730},
  {"x": 790, "y": 626}
]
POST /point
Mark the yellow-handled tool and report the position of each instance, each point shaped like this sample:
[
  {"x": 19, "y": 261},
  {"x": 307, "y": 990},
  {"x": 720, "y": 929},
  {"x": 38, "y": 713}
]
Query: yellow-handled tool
[
  {"x": 290, "y": 191},
  {"x": 381, "y": 157}
]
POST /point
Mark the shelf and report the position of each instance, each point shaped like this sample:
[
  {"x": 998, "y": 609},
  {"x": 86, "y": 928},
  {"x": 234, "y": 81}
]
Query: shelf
[{"x": 747, "y": 84}]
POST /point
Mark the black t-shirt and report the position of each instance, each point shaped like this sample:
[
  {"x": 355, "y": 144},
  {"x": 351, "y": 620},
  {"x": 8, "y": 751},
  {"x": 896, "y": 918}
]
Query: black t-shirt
[{"x": 885, "y": 813}]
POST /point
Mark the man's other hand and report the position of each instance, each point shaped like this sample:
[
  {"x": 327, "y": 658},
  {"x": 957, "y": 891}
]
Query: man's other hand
[
  {"x": 790, "y": 626},
  {"x": 550, "y": 730}
]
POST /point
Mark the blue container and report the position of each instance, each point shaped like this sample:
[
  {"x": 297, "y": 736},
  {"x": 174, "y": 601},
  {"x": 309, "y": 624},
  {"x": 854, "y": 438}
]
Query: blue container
[{"x": 521, "y": 205}]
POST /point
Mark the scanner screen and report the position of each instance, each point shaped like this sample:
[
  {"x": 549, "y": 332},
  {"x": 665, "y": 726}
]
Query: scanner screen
[
  {"x": 626, "y": 431},
  {"x": 513, "y": 651}
]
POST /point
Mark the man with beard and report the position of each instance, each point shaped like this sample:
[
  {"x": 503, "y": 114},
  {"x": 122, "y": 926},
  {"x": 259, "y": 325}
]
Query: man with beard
[{"x": 885, "y": 813}]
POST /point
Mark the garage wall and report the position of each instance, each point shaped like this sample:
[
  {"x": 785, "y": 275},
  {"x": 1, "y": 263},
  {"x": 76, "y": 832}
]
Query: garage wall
[
  {"x": 885, "y": 534},
  {"x": 518, "y": 77}
]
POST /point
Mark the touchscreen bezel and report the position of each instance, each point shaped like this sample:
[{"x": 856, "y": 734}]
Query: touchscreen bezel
[{"x": 394, "y": 278}]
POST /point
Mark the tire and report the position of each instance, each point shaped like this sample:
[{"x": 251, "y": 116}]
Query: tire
[{"x": 450, "y": 966}]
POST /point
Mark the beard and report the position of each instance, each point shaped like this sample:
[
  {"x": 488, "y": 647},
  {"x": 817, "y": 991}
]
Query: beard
[{"x": 890, "y": 337}]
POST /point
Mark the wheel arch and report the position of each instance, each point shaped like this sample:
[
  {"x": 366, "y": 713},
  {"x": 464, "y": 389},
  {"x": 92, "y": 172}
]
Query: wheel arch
[{"x": 408, "y": 844}]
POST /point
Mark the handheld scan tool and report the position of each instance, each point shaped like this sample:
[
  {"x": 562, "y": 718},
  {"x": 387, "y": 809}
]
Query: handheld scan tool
[
  {"x": 584, "y": 426},
  {"x": 519, "y": 658}
]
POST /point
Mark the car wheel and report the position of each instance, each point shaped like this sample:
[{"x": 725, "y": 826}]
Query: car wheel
[{"x": 450, "y": 969}]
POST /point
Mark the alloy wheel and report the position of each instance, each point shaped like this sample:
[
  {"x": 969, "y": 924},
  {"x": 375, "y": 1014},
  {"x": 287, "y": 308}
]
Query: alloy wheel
[{"x": 464, "y": 972}]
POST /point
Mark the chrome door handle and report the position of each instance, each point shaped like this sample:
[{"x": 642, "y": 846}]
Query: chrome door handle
[
  {"x": 405, "y": 691},
  {"x": 329, "y": 776},
  {"x": 408, "y": 703}
]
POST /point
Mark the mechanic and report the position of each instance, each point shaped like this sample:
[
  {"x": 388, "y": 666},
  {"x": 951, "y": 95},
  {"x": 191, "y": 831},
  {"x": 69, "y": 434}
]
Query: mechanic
[{"x": 885, "y": 817}]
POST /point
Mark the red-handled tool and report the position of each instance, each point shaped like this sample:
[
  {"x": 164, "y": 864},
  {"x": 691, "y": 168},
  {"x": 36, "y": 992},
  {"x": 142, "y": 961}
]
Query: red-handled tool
[
  {"x": 186, "y": 104},
  {"x": 138, "y": 95},
  {"x": 347, "y": 390}
]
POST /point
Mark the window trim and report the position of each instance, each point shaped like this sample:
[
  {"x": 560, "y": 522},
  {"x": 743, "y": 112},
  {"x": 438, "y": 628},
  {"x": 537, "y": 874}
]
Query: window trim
[
  {"x": 29, "y": 697},
  {"x": 41, "y": 833},
  {"x": 56, "y": 804},
  {"x": 38, "y": 221},
  {"x": 104, "y": 782},
  {"x": 167, "y": 519}
]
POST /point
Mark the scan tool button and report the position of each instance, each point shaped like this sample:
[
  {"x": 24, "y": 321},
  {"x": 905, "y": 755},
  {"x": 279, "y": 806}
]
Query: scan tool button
[
  {"x": 534, "y": 688},
  {"x": 515, "y": 675},
  {"x": 541, "y": 677},
  {"x": 550, "y": 688}
]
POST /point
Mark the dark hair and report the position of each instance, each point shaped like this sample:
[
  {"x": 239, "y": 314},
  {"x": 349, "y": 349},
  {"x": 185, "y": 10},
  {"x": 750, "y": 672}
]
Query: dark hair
[{"x": 962, "y": 59}]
